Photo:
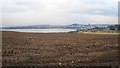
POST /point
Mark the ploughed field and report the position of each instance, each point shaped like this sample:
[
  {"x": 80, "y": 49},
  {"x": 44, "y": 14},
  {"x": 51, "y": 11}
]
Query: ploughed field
[{"x": 27, "y": 49}]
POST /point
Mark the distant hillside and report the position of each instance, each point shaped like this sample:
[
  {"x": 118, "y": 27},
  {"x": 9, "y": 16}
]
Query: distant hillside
[
  {"x": 71, "y": 26},
  {"x": 109, "y": 29}
]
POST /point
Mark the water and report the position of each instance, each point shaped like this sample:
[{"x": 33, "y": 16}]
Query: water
[{"x": 41, "y": 30}]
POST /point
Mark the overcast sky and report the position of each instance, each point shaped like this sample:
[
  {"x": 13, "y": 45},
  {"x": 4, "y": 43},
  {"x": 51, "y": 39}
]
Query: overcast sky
[{"x": 58, "y": 12}]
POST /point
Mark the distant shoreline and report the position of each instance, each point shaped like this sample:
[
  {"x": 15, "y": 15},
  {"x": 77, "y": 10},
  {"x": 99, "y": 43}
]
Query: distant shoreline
[
  {"x": 101, "y": 33},
  {"x": 98, "y": 33}
]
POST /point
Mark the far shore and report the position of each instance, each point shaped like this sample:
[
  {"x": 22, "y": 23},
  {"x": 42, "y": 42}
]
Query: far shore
[
  {"x": 98, "y": 33},
  {"x": 68, "y": 32}
]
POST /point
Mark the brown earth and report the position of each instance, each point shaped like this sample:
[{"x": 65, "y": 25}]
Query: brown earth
[{"x": 27, "y": 49}]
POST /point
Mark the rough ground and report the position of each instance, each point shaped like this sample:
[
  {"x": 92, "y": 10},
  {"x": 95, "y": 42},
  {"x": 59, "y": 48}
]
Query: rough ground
[{"x": 27, "y": 49}]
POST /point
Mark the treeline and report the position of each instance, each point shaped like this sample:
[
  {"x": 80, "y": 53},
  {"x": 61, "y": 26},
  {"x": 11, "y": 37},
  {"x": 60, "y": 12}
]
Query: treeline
[
  {"x": 114, "y": 27},
  {"x": 110, "y": 29}
]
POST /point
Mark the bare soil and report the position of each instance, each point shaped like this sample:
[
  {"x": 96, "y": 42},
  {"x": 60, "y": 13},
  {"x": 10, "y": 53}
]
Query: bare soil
[{"x": 37, "y": 49}]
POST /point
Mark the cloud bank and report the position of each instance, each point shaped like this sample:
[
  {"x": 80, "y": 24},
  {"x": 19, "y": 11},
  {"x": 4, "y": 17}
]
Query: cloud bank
[{"x": 58, "y": 12}]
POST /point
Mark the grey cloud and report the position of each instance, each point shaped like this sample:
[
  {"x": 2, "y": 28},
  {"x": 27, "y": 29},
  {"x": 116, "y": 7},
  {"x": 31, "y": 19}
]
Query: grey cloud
[
  {"x": 31, "y": 5},
  {"x": 24, "y": 3},
  {"x": 57, "y": 12},
  {"x": 11, "y": 7},
  {"x": 16, "y": 7}
]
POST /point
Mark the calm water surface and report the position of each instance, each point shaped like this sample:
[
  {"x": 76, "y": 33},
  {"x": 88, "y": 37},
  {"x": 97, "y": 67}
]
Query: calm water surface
[{"x": 41, "y": 30}]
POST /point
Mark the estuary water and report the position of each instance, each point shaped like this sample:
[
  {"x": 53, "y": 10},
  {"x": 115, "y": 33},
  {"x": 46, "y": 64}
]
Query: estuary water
[{"x": 40, "y": 30}]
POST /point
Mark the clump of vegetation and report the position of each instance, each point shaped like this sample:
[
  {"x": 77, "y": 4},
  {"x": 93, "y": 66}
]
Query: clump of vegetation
[{"x": 114, "y": 27}]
